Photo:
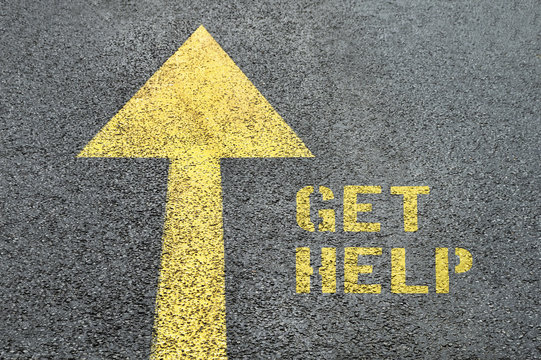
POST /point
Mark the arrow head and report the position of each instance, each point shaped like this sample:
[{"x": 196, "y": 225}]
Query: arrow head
[{"x": 198, "y": 101}]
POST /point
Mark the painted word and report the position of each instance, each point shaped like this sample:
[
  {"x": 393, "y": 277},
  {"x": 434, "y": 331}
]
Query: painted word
[
  {"x": 352, "y": 208},
  {"x": 352, "y": 270}
]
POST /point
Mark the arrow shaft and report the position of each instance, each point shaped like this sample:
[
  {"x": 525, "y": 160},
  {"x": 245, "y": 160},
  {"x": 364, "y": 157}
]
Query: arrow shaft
[{"x": 190, "y": 304}]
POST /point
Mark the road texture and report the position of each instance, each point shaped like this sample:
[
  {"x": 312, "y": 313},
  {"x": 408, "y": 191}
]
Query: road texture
[{"x": 394, "y": 93}]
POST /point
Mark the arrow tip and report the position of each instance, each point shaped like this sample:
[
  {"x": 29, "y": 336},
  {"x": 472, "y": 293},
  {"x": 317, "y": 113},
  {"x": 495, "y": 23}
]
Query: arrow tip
[{"x": 198, "y": 101}]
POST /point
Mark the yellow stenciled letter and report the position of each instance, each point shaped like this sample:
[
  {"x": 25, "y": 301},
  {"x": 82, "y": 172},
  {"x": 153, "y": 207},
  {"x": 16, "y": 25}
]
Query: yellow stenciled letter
[
  {"x": 398, "y": 274},
  {"x": 351, "y": 208},
  {"x": 442, "y": 270},
  {"x": 303, "y": 270},
  {"x": 352, "y": 271},
  {"x": 303, "y": 209},
  {"x": 410, "y": 203},
  {"x": 442, "y": 267}
]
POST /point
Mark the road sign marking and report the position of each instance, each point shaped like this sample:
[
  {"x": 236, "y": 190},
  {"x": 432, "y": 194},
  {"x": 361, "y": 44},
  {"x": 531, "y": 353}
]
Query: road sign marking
[
  {"x": 352, "y": 208},
  {"x": 353, "y": 272},
  {"x": 197, "y": 108}
]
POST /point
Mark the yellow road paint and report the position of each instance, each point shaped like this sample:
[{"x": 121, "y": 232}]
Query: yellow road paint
[
  {"x": 442, "y": 270},
  {"x": 191, "y": 292},
  {"x": 466, "y": 260},
  {"x": 303, "y": 270},
  {"x": 198, "y": 101},
  {"x": 303, "y": 210},
  {"x": 410, "y": 204},
  {"x": 197, "y": 108},
  {"x": 442, "y": 266},
  {"x": 328, "y": 270},
  {"x": 352, "y": 270},
  {"x": 351, "y": 208},
  {"x": 398, "y": 275}
]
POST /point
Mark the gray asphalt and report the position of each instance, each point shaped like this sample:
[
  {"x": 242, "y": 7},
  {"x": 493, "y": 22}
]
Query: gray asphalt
[{"x": 383, "y": 93}]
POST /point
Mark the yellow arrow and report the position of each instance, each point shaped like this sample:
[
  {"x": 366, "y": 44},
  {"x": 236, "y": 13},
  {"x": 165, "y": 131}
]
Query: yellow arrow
[{"x": 196, "y": 109}]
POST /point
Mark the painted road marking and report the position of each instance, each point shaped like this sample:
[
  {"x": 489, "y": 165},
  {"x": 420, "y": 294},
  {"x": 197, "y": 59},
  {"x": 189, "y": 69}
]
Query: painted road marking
[
  {"x": 352, "y": 270},
  {"x": 352, "y": 208},
  {"x": 197, "y": 108}
]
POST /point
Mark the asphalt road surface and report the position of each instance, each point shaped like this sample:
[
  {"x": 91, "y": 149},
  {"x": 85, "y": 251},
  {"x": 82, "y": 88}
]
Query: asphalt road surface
[{"x": 383, "y": 93}]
